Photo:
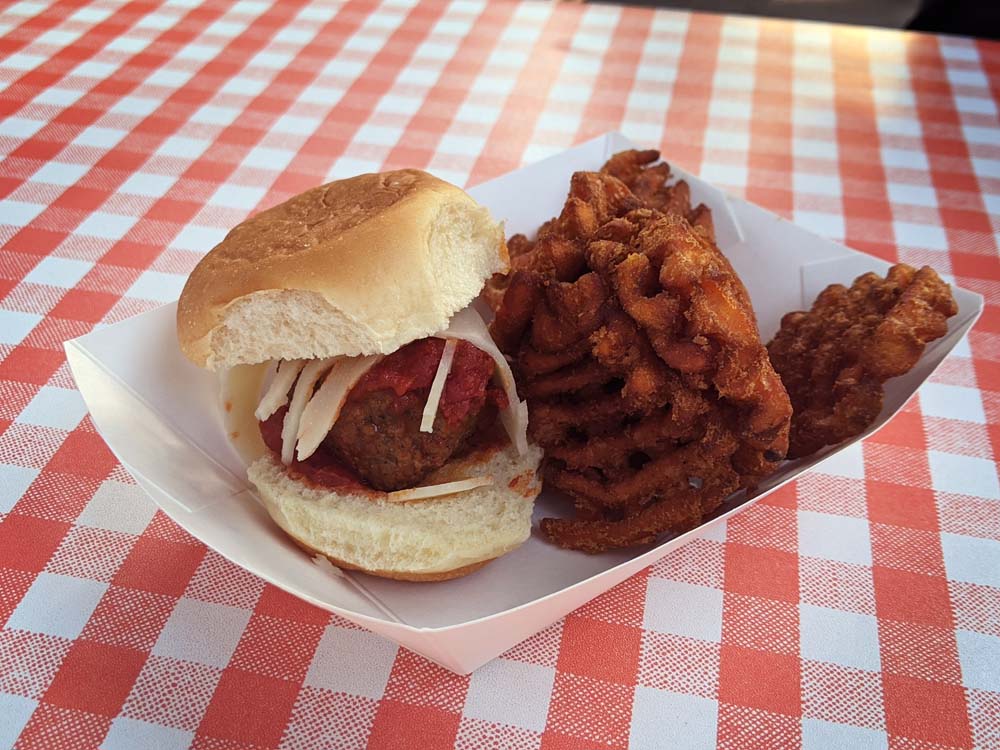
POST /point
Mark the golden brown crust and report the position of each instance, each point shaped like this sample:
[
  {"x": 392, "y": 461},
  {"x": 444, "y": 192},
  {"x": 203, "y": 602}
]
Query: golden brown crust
[
  {"x": 397, "y": 575},
  {"x": 834, "y": 358},
  {"x": 360, "y": 246}
]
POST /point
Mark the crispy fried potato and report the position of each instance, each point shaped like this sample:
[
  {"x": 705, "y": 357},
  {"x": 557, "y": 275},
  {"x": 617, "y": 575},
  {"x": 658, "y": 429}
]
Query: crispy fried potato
[
  {"x": 638, "y": 351},
  {"x": 834, "y": 358}
]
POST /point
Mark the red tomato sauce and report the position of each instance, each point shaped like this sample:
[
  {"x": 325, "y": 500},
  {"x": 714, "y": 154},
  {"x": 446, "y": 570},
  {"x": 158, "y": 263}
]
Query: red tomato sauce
[
  {"x": 322, "y": 467},
  {"x": 412, "y": 368}
]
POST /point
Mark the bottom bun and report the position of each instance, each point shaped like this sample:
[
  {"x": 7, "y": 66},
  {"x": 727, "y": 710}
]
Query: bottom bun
[{"x": 421, "y": 540}]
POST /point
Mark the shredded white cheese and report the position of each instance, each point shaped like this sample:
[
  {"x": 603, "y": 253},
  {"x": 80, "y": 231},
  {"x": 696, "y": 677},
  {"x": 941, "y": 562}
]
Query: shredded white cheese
[
  {"x": 310, "y": 375},
  {"x": 277, "y": 393},
  {"x": 437, "y": 386},
  {"x": 324, "y": 407},
  {"x": 468, "y": 326},
  {"x": 437, "y": 490}
]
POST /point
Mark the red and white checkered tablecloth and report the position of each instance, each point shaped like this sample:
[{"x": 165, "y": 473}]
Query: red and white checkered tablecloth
[{"x": 858, "y": 608}]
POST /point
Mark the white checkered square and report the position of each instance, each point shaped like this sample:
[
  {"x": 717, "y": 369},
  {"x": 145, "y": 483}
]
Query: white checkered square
[
  {"x": 201, "y": 632},
  {"x": 147, "y": 184},
  {"x": 127, "y": 734},
  {"x": 952, "y": 402},
  {"x": 979, "y": 655},
  {"x": 510, "y": 692},
  {"x": 99, "y": 137},
  {"x": 848, "y": 462},
  {"x": 15, "y": 710},
  {"x": 182, "y": 147},
  {"x": 19, "y": 213},
  {"x": 834, "y": 537},
  {"x": 964, "y": 475},
  {"x": 821, "y": 735},
  {"x": 920, "y": 235},
  {"x": 693, "y": 721},
  {"x": 683, "y": 609},
  {"x": 845, "y": 638},
  {"x": 105, "y": 225},
  {"x": 118, "y": 507},
  {"x": 20, "y": 127},
  {"x": 971, "y": 559},
  {"x": 14, "y": 481},
  {"x": 60, "y": 173},
  {"x": 198, "y": 238},
  {"x": 262, "y": 157},
  {"x": 238, "y": 196},
  {"x": 57, "y": 605},
  {"x": 353, "y": 662},
  {"x": 61, "y": 272},
  {"x": 60, "y": 408}
]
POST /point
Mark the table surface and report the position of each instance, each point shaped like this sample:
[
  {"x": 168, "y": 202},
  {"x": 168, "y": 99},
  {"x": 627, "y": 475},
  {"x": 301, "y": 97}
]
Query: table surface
[{"x": 859, "y": 607}]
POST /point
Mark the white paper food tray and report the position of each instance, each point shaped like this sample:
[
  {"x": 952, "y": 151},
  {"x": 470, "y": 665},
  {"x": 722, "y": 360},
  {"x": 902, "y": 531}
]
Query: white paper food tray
[{"x": 160, "y": 415}]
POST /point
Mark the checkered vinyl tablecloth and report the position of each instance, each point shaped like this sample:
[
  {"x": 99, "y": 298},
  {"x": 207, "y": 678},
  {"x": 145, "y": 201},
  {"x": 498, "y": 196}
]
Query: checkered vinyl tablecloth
[{"x": 859, "y": 607}]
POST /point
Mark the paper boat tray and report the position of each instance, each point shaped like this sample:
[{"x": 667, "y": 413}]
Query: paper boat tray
[{"x": 160, "y": 415}]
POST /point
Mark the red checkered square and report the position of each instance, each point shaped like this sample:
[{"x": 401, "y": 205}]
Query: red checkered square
[
  {"x": 901, "y": 506},
  {"x": 405, "y": 725},
  {"x": 95, "y": 677},
  {"x": 476, "y": 734},
  {"x": 83, "y": 454},
  {"x": 159, "y": 566},
  {"x": 911, "y": 597},
  {"x": 760, "y": 679},
  {"x": 907, "y": 701},
  {"x": 762, "y": 572},
  {"x": 274, "y": 602},
  {"x": 27, "y": 543},
  {"x": 248, "y": 708},
  {"x": 601, "y": 650},
  {"x": 56, "y": 496},
  {"x": 28, "y": 365},
  {"x": 589, "y": 710},
  {"x": 13, "y": 586}
]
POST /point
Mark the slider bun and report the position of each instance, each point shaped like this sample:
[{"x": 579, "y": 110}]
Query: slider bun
[
  {"x": 424, "y": 540},
  {"x": 357, "y": 266}
]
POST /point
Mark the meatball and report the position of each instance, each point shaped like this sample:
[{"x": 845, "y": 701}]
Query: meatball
[{"x": 378, "y": 435}]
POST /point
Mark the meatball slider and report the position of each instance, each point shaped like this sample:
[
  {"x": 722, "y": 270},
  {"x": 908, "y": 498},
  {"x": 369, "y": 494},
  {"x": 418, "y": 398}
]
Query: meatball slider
[{"x": 380, "y": 422}]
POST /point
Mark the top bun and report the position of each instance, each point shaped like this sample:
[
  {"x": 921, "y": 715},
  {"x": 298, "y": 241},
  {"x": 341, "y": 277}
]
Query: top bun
[{"x": 357, "y": 266}]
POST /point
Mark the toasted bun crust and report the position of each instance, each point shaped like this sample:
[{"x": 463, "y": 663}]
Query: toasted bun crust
[
  {"x": 357, "y": 266},
  {"x": 424, "y": 540}
]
